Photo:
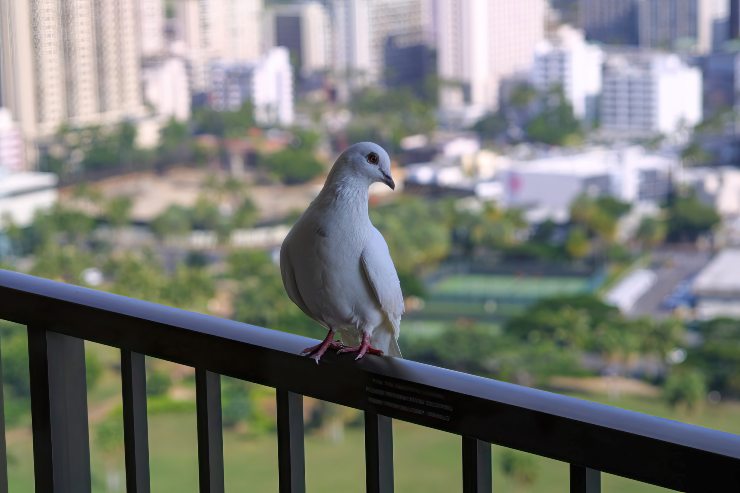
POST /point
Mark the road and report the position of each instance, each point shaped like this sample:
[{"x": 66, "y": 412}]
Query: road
[{"x": 671, "y": 267}]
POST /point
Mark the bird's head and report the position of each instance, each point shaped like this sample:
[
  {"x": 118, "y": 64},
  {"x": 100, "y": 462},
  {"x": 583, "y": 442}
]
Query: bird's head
[{"x": 367, "y": 161}]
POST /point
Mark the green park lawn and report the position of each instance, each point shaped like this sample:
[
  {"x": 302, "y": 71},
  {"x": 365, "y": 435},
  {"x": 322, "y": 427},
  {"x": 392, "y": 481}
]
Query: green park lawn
[
  {"x": 426, "y": 461},
  {"x": 509, "y": 286}
]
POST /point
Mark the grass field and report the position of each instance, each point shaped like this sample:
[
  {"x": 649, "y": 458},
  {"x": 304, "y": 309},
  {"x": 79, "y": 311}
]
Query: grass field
[
  {"x": 509, "y": 286},
  {"x": 426, "y": 461}
]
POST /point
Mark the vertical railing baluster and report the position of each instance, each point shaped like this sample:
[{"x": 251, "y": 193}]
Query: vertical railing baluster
[
  {"x": 291, "y": 465},
  {"x": 3, "y": 450},
  {"x": 135, "y": 433},
  {"x": 61, "y": 453},
  {"x": 210, "y": 432},
  {"x": 584, "y": 480},
  {"x": 378, "y": 453},
  {"x": 476, "y": 462}
]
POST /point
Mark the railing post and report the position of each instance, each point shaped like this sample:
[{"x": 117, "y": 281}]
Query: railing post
[
  {"x": 3, "y": 450},
  {"x": 378, "y": 453},
  {"x": 210, "y": 432},
  {"x": 135, "y": 433},
  {"x": 476, "y": 462},
  {"x": 61, "y": 454},
  {"x": 584, "y": 480},
  {"x": 291, "y": 466}
]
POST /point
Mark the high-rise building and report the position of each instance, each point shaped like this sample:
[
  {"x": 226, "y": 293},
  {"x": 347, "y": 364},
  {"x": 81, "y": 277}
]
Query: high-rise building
[
  {"x": 362, "y": 29},
  {"x": 304, "y": 30},
  {"x": 166, "y": 87},
  {"x": 152, "y": 27},
  {"x": 11, "y": 143},
  {"x": 219, "y": 29},
  {"x": 610, "y": 21},
  {"x": 734, "y": 20},
  {"x": 567, "y": 62},
  {"x": 480, "y": 43},
  {"x": 74, "y": 62},
  {"x": 267, "y": 84},
  {"x": 686, "y": 25},
  {"x": 649, "y": 93}
]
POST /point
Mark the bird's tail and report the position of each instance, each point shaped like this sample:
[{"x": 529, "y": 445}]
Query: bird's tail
[{"x": 385, "y": 341}]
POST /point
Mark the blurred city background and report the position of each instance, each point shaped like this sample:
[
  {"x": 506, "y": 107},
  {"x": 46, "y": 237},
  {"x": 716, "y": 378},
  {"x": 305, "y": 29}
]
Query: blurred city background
[{"x": 568, "y": 215}]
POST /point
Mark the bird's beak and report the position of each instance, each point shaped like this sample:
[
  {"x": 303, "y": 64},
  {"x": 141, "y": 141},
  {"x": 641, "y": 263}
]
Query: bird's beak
[{"x": 389, "y": 181}]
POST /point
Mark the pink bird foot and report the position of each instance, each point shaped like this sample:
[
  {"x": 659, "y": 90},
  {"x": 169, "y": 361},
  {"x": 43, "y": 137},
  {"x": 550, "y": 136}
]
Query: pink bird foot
[
  {"x": 317, "y": 351},
  {"x": 362, "y": 349}
]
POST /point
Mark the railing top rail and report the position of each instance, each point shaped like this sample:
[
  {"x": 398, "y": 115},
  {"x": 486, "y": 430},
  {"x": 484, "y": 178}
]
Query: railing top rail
[{"x": 627, "y": 443}]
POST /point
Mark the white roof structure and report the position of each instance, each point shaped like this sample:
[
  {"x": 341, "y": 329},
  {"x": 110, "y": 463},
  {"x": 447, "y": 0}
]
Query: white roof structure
[{"x": 721, "y": 277}]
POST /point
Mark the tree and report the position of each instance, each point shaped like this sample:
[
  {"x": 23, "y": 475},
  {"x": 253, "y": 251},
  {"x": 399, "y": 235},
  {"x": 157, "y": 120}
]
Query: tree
[
  {"x": 118, "y": 211},
  {"x": 718, "y": 356},
  {"x": 689, "y": 218},
  {"x": 685, "y": 389},
  {"x": 577, "y": 245},
  {"x": 651, "y": 232},
  {"x": 292, "y": 166},
  {"x": 556, "y": 124},
  {"x": 172, "y": 222}
]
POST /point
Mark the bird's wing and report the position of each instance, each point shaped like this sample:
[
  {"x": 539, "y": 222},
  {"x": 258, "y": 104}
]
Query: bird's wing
[
  {"x": 381, "y": 275},
  {"x": 289, "y": 282}
]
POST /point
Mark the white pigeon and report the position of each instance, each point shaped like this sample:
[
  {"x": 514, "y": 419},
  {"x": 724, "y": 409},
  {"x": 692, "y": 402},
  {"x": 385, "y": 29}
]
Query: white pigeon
[{"x": 336, "y": 265}]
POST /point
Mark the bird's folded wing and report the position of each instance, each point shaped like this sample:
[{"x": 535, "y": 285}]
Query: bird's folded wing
[
  {"x": 381, "y": 275},
  {"x": 291, "y": 287}
]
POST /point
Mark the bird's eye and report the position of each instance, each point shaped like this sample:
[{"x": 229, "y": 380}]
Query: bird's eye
[{"x": 373, "y": 158}]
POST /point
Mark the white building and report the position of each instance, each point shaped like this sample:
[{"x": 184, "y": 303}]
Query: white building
[
  {"x": 479, "y": 43},
  {"x": 166, "y": 88},
  {"x": 566, "y": 61},
  {"x": 151, "y": 25},
  {"x": 267, "y": 84},
  {"x": 11, "y": 143},
  {"x": 649, "y": 93},
  {"x": 684, "y": 25},
  {"x": 73, "y": 62},
  {"x": 219, "y": 29},
  {"x": 24, "y": 193},
  {"x": 363, "y": 27},
  {"x": 547, "y": 186},
  {"x": 717, "y": 287},
  {"x": 304, "y": 29}
]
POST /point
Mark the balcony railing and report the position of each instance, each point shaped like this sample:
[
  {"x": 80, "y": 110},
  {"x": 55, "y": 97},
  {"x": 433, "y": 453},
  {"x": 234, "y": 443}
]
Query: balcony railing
[{"x": 592, "y": 438}]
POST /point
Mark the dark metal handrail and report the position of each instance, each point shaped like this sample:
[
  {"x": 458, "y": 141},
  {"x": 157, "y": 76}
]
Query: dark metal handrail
[{"x": 591, "y": 437}]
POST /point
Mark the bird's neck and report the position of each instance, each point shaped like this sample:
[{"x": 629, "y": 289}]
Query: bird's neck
[{"x": 345, "y": 192}]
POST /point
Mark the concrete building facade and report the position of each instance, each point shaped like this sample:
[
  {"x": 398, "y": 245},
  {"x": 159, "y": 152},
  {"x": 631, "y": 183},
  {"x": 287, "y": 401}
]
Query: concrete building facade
[
  {"x": 74, "y": 62},
  {"x": 649, "y": 93},
  {"x": 480, "y": 43},
  {"x": 305, "y": 30},
  {"x": 566, "y": 61}
]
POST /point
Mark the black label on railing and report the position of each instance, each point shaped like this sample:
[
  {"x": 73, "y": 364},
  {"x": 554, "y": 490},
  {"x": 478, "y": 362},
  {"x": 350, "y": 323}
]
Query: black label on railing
[{"x": 408, "y": 398}]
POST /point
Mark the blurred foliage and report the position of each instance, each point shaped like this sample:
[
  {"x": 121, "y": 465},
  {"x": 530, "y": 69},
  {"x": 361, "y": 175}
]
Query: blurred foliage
[
  {"x": 685, "y": 389},
  {"x": 519, "y": 466},
  {"x": 688, "y": 218},
  {"x": 158, "y": 382},
  {"x": 718, "y": 357}
]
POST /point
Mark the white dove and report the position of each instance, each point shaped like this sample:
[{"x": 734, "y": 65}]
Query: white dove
[{"x": 336, "y": 265}]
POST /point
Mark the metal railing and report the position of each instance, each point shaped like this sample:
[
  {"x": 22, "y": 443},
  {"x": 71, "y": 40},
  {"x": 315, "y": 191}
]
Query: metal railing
[{"x": 592, "y": 438}]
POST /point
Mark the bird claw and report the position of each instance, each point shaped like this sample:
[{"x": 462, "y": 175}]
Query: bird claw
[{"x": 361, "y": 350}]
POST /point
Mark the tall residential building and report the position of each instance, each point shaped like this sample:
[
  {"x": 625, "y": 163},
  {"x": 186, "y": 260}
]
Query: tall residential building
[
  {"x": 166, "y": 87},
  {"x": 11, "y": 143},
  {"x": 73, "y": 62},
  {"x": 151, "y": 26},
  {"x": 734, "y": 20},
  {"x": 480, "y": 43},
  {"x": 567, "y": 62},
  {"x": 267, "y": 84},
  {"x": 686, "y": 25},
  {"x": 610, "y": 21},
  {"x": 304, "y": 30},
  {"x": 649, "y": 93},
  {"x": 219, "y": 29},
  {"x": 362, "y": 29}
]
